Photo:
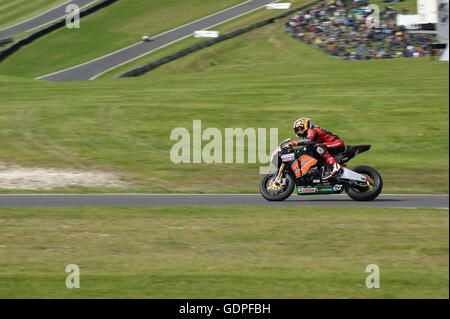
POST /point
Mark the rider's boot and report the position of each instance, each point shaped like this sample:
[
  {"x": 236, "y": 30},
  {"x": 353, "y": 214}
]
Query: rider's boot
[{"x": 335, "y": 166}]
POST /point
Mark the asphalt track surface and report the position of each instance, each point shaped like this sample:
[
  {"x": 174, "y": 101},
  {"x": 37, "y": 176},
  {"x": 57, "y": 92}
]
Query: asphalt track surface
[
  {"x": 42, "y": 19},
  {"x": 92, "y": 69},
  {"x": 143, "y": 200}
]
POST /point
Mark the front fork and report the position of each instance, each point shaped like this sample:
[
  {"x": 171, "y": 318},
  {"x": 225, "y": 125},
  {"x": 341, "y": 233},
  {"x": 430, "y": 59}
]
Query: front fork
[{"x": 280, "y": 174}]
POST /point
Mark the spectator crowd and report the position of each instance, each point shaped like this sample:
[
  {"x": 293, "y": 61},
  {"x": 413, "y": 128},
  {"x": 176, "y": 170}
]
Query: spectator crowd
[{"x": 339, "y": 28}]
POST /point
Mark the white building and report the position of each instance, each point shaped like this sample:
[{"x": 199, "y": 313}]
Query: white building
[{"x": 427, "y": 12}]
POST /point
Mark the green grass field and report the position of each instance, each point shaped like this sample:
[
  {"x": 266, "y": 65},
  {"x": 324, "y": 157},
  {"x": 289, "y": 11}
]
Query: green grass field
[
  {"x": 261, "y": 79},
  {"x": 227, "y": 252}
]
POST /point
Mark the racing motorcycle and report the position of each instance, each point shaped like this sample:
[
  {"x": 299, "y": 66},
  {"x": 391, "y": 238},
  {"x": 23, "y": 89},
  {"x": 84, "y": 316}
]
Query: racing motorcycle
[{"x": 307, "y": 171}]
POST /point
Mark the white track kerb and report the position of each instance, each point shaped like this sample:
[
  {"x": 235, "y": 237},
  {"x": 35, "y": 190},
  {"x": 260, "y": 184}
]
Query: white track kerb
[{"x": 132, "y": 58}]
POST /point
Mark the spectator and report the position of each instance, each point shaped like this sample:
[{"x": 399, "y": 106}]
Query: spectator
[{"x": 339, "y": 28}]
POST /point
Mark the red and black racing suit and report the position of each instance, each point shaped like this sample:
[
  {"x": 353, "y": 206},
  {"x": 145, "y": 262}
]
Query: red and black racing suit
[{"x": 327, "y": 143}]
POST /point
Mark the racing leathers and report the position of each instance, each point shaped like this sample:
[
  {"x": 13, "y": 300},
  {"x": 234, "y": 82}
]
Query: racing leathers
[{"x": 326, "y": 145}]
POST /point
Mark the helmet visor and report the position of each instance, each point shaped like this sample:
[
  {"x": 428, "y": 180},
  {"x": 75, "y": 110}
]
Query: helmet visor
[{"x": 300, "y": 130}]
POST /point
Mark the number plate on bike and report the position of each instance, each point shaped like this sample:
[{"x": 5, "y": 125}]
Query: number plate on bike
[{"x": 288, "y": 157}]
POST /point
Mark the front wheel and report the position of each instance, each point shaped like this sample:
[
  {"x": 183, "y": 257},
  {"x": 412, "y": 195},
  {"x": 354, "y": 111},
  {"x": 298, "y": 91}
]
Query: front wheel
[
  {"x": 273, "y": 191},
  {"x": 372, "y": 190}
]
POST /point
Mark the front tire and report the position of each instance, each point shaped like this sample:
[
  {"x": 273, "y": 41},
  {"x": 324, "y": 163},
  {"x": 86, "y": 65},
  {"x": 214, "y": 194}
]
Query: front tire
[
  {"x": 284, "y": 193},
  {"x": 375, "y": 188}
]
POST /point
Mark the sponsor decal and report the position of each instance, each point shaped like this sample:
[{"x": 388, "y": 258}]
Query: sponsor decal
[
  {"x": 337, "y": 188},
  {"x": 308, "y": 190},
  {"x": 295, "y": 167},
  {"x": 288, "y": 157}
]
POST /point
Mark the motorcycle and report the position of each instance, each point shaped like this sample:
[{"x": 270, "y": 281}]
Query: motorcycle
[{"x": 307, "y": 171}]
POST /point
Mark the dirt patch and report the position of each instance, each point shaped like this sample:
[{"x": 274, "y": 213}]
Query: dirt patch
[
  {"x": 271, "y": 35},
  {"x": 17, "y": 177}
]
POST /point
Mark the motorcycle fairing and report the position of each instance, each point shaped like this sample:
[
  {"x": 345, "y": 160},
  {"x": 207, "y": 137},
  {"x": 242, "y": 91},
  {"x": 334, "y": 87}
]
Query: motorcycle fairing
[
  {"x": 296, "y": 169},
  {"x": 301, "y": 166}
]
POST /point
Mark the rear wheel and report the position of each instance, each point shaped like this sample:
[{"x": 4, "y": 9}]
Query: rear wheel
[
  {"x": 373, "y": 189},
  {"x": 273, "y": 191}
]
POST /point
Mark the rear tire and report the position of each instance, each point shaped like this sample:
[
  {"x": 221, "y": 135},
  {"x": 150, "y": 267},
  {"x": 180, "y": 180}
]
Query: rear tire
[
  {"x": 280, "y": 196},
  {"x": 371, "y": 194}
]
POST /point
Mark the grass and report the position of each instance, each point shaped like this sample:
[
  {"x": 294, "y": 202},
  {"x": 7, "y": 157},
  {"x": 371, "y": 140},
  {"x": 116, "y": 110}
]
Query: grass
[
  {"x": 233, "y": 25},
  {"x": 246, "y": 20},
  {"x": 260, "y": 79},
  {"x": 100, "y": 33},
  {"x": 411, "y": 4},
  {"x": 151, "y": 17},
  {"x": 227, "y": 252},
  {"x": 15, "y": 11}
]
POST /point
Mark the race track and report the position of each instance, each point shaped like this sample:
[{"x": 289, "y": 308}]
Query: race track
[
  {"x": 92, "y": 69},
  {"x": 82, "y": 200},
  {"x": 42, "y": 19}
]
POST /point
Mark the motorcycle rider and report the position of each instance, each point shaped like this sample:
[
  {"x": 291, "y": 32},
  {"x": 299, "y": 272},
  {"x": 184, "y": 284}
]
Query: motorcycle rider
[{"x": 325, "y": 142}]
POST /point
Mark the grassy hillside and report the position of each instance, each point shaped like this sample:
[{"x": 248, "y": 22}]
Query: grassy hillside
[
  {"x": 228, "y": 252},
  {"x": 246, "y": 20},
  {"x": 110, "y": 29},
  {"x": 262, "y": 79},
  {"x": 15, "y": 11},
  {"x": 101, "y": 33}
]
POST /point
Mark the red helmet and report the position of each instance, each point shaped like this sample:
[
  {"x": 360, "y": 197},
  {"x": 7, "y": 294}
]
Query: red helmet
[{"x": 301, "y": 126}]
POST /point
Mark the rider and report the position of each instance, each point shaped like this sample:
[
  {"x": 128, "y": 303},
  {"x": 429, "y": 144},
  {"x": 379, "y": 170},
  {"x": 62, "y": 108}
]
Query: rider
[{"x": 325, "y": 142}]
